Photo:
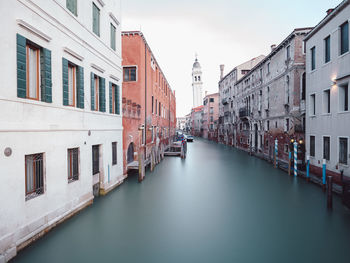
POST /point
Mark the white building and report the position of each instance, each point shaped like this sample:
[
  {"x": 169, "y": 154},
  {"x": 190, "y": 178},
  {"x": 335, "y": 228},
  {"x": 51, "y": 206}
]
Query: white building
[
  {"x": 197, "y": 84},
  {"x": 226, "y": 98},
  {"x": 327, "y": 98},
  {"x": 60, "y": 121},
  {"x": 180, "y": 123}
]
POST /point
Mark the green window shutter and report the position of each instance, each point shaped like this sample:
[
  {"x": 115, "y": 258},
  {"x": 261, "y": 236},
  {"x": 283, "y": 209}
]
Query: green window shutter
[
  {"x": 80, "y": 87},
  {"x": 46, "y": 76},
  {"x": 95, "y": 19},
  {"x": 21, "y": 67},
  {"x": 102, "y": 98},
  {"x": 65, "y": 81},
  {"x": 117, "y": 100},
  {"x": 110, "y": 98},
  {"x": 92, "y": 91},
  {"x": 72, "y": 6},
  {"x": 113, "y": 37}
]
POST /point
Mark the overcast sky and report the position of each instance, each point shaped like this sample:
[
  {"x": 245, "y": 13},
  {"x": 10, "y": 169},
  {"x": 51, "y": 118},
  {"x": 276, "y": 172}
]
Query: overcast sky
[{"x": 225, "y": 32}]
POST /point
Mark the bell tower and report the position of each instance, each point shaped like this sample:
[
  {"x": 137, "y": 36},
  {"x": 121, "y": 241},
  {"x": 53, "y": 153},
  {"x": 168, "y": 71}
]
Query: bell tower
[{"x": 197, "y": 84}]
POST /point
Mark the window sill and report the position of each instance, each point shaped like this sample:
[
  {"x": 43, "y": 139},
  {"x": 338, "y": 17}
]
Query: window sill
[
  {"x": 33, "y": 195},
  {"x": 312, "y": 71},
  {"x": 343, "y": 55},
  {"x": 312, "y": 116},
  {"x": 326, "y": 114},
  {"x": 343, "y": 165},
  {"x": 72, "y": 180},
  {"x": 327, "y": 63},
  {"x": 343, "y": 112}
]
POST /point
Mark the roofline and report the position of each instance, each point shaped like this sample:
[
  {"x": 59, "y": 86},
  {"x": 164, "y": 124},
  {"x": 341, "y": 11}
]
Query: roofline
[
  {"x": 235, "y": 68},
  {"x": 273, "y": 52},
  {"x": 329, "y": 17},
  {"x": 136, "y": 32}
]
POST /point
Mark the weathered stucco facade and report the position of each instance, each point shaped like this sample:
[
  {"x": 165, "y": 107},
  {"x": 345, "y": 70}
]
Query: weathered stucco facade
[
  {"x": 149, "y": 103},
  {"x": 226, "y": 132},
  {"x": 268, "y": 100}
]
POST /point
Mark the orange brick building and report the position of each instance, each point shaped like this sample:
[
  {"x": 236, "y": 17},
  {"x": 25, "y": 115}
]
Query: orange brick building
[{"x": 149, "y": 104}]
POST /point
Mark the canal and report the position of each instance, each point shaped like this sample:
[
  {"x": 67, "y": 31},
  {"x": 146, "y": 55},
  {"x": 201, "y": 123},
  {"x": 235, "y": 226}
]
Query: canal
[{"x": 218, "y": 205}]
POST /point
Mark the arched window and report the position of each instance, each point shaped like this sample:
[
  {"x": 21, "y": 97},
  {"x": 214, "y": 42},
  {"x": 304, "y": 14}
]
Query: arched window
[
  {"x": 195, "y": 78},
  {"x": 199, "y": 78}
]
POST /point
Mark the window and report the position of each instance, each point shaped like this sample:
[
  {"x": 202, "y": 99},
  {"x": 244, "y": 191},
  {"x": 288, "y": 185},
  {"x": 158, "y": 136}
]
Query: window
[
  {"x": 113, "y": 37},
  {"x": 96, "y": 86},
  {"x": 313, "y": 104},
  {"x": 303, "y": 83},
  {"x": 327, "y": 49},
  {"x": 34, "y": 173},
  {"x": 344, "y": 98},
  {"x": 313, "y": 58},
  {"x": 287, "y": 125},
  {"x": 114, "y": 153},
  {"x": 312, "y": 146},
  {"x": 268, "y": 68},
  {"x": 211, "y": 118},
  {"x": 326, "y": 148},
  {"x": 195, "y": 78},
  {"x": 268, "y": 125},
  {"x": 72, "y": 6},
  {"x": 327, "y": 101},
  {"x": 130, "y": 74},
  {"x": 288, "y": 52},
  {"x": 114, "y": 99},
  {"x": 211, "y": 100},
  {"x": 343, "y": 150},
  {"x": 33, "y": 72},
  {"x": 71, "y": 84},
  {"x": 276, "y": 124},
  {"x": 95, "y": 159},
  {"x": 152, "y": 104},
  {"x": 199, "y": 78},
  {"x": 286, "y": 148},
  {"x": 73, "y": 164},
  {"x": 95, "y": 19},
  {"x": 212, "y": 126},
  {"x": 344, "y": 38},
  {"x": 160, "y": 109},
  {"x": 34, "y": 79}
]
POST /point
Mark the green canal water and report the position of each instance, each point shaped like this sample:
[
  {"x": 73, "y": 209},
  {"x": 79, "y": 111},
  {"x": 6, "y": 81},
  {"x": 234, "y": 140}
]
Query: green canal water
[{"x": 218, "y": 205}]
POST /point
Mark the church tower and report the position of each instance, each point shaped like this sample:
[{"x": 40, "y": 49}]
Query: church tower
[{"x": 197, "y": 84}]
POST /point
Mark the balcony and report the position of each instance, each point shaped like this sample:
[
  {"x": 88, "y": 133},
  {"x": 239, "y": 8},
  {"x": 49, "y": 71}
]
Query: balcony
[{"x": 243, "y": 113}]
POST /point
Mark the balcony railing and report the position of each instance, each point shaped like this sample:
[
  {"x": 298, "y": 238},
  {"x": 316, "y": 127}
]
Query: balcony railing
[{"x": 243, "y": 112}]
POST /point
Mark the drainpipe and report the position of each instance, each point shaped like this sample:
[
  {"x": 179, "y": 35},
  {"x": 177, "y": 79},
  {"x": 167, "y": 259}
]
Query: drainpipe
[{"x": 145, "y": 99}]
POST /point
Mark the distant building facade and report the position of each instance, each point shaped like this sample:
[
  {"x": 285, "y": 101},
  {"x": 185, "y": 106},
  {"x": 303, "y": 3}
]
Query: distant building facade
[
  {"x": 197, "y": 84},
  {"x": 61, "y": 124},
  {"x": 210, "y": 116},
  {"x": 226, "y": 131},
  {"x": 269, "y": 100},
  {"x": 196, "y": 121},
  {"x": 180, "y": 123},
  {"x": 149, "y": 104},
  {"x": 327, "y": 93}
]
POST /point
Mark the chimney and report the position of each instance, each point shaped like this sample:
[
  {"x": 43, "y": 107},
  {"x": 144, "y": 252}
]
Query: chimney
[
  {"x": 222, "y": 67},
  {"x": 330, "y": 11},
  {"x": 273, "y": 47}
]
